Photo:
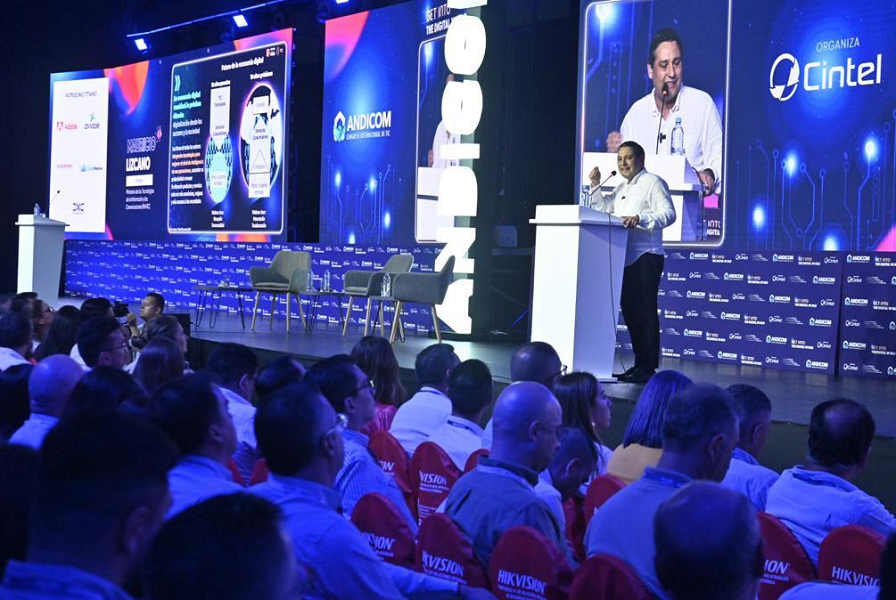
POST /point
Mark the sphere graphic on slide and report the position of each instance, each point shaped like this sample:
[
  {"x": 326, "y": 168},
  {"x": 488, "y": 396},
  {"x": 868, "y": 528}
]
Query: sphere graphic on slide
[
  {"x": 261, "y": 140},
  {"x": 218, "y": 167}
]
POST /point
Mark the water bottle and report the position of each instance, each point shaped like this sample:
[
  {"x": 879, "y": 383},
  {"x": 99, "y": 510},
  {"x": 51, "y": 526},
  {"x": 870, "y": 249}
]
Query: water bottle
[
  {"x": 309, "y": 283},
  {"x": 585, "y": 196},
  {"x": 327, "y": 280},
  {"x": 386, "y": 288},
  {"x": 36, "y": 209},
  {"x": 678, "y": 138}
]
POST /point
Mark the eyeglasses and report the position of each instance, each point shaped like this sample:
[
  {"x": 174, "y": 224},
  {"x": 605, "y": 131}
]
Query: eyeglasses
[
  {"x": 367, "y": 384},
  {"x": 560, "y": 373},
  {"x": 49, "y": 309},
  {"x": 341, "y": 423}
]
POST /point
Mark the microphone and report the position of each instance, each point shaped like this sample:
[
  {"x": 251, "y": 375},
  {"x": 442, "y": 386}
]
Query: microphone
[
  {"x": 659, "y": 130},
  {"x": 592, "y": 192}
]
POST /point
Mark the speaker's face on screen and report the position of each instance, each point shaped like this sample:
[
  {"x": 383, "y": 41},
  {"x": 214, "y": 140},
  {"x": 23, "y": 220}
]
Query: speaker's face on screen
[{"x": 667, "y": 68}]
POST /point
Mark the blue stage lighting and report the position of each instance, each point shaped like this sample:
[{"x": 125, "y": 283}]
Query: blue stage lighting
[
  {"x": 831, "y": 243},
  {"x": 387, "y": 220},
  {"x": 341, "y": 1},
  {"x": 871, "y": 149},
  {"x": 606, "y": 13},
  {"x": 759, "y": 217},
  {"x": 141, "y": 44},
  {"x": 240, "y": 20},
  {"x": 371, "y": 184},
  {"x": 338, "y": 179},
  {"x": 791, "y": 163}
]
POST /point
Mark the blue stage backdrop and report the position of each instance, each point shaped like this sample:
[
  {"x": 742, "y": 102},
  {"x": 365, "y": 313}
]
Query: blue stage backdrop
[{"x": 868, "y": 315}]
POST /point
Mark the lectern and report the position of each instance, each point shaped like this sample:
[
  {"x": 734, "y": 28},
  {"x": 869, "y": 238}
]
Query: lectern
[
  {"x": 579, "y": 259},
  {"x": 40, "y": 255}
]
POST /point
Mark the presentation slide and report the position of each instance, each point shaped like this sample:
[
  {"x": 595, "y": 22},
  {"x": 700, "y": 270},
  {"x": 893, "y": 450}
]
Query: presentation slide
[{"x": 187, "y": 147}]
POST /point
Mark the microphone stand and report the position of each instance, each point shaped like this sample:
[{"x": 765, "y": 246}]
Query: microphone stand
[{"x": 659, "y": 135}]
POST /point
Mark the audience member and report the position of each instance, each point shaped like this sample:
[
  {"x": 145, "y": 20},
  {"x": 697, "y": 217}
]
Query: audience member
[
  {"x": 18, "y": 472},
  {"x": 102, "y": 342},
  {"x": 153, "y": 305},
  {"x": 61, "y": 337},
  {"x": 193, "y": 413},
  {"x": 278, "y": 373},
  {"x": 708, "y": 545},
  {"x": 15, "y": 340},
  {"x": 470, "y": 392},
  {"x": 231, "y": 547},
  {"x": 498, "y": 493},
  {"x": 234, "y": 367},
  {"x": 15, "y": 405},
  {"x": 169, "y": 327},
  {"x": 96, "y": 307},
  {"x": 23, "y": 302},
  {"x": 41, "y": 316},
  {"x": 642, "y": 444},
  {"x": 49, "y": 388},
  {"x": 106, "y": 389},
  {"x": 101, "y": 493},
  {"x": 351, "y": 393},
  {"x": 586, "y": 406},
  {"x": 428, "y": 409},
  {"x": 375, "y": 357},
  {"x": 5, "y": 302},
  {"x": 161, "y": 361},
  {"x": 814, "y": 498},
  {"x": 300, "y": 436},
  {"x": 746, "y": 475},
  {"x": 699, "y": 434}
]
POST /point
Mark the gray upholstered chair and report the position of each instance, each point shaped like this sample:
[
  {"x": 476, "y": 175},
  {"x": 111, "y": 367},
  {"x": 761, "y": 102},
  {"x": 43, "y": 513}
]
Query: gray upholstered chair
[
  {"x": 421, "y": 288},
  {"x": 288, "y": 274},
  {"x": 367, "y": 284}
]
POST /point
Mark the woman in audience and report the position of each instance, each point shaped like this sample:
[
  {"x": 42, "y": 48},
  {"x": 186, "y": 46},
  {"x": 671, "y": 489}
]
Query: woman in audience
[
  {"x": 15, "y": 405},
  {"x": 160, "y": 361},
  {"x": 642, "y": 445},
  {"x": 106, "y": 389},
  {"x": 60, "y": 337},
  {"x": 587, "y": 407},
  {"x": 168, "y": 327},
  {"x": 375, "y": 357},
  {"x": 41, "y": 316}
]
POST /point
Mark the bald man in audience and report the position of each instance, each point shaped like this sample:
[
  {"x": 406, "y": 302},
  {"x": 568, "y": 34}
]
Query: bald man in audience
[
  {"x": 49, "y": 387},
  {"x": 708, "y": 545},
  {"x": 498, "y": 494}
]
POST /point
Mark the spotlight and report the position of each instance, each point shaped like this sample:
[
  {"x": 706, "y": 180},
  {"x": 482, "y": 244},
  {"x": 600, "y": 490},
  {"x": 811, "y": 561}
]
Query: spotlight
[
  {"x": 240, "y": 20},
  {"x": 141, "y": 44},
  {"x": 341, "y": 1}
]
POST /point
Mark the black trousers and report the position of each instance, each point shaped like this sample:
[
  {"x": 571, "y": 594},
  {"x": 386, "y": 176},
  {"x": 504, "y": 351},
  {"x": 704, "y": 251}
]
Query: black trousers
[{"x": 640, "y": 286}]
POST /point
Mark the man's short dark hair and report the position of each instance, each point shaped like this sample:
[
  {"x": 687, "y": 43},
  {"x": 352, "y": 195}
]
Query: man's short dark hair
[
  {"x": 106, "y": 389},
  {"x": 15, "y": 329},
  {"x": 470, "y": 387},
  {"x": 278, "y": 373},
  {"x": 184, "y": 409},
  {"x": 336, "y": 378},
  {"x": 288, "y": 427},
  {"x": 637, "y": 150},
  {"x": 93, "y": 470},
  {"x": 228, "y": 548},
  {"x": 840, "y": 433},
  {"x": 433, "y": 362},
  {"x": 666, "y": 34},
  {"x": 529, "y": 362},
  {"x": 93, "y": 338},
  {"x": 696, "y": 414},
  {"x": 21, "y": 300},
  {"x": 95, "y": 307},
  {"x": 229, "y": 362},
  {"x": 751, "y": 405},
  {"x": 158, "y": 299}
]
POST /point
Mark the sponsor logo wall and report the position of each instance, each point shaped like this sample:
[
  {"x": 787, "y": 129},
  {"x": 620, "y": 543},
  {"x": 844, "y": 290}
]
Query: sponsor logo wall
[{"x": 868, "y": 316}]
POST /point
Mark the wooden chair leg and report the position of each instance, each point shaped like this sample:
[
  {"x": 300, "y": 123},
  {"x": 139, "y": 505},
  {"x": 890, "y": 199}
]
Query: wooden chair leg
[
  {"x": 288, "y": 310},
  {"x": 367, "y": 318},
  {"x": 348, "y": 313},
  {"x": 273, "y": 304},
  {"x": 435, "y": 323},
  {"x": 255, "y": 310},
  {"x": 301, "y": 312},
  {"x": 396, "y": 322}
]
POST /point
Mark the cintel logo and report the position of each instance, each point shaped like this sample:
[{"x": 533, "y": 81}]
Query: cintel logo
[
  {"x": 817, "y": 75},
  {"x": 375, "y": 123}
]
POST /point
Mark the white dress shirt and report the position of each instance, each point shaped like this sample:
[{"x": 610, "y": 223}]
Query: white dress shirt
[
  {"x": 75, "y": 354},
  {"x": 243, "y": 413},
  {"x": 34, "y": 430},
  {"x": 459, "y": 438},
  {"x": 699, "y": 119},
  {"x": 196, "y": 478},
  {"x": 10, "y": 358},
  {"x": 813, "y": 503},
  {"x": 831, "y": 591},
  {"x": 443, "y": 137},
  {"x": 747, "y": 476},
  {"x": 646, "y": 196},
  {"x": 417, "y": 418}
]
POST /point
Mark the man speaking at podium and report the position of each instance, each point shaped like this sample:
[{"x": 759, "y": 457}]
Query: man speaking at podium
[{"x": 643, "y": 203}]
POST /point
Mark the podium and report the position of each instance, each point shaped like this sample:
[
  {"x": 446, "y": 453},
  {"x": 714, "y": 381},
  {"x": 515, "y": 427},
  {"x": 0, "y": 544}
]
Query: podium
[
  {"x": 684, "y": 184},
  {"x": 579, "y": 259},
  {"x": 41, "y": 241}
]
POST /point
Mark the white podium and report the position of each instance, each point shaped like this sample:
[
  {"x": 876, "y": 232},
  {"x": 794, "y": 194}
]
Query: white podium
[
  {"x": 684, "y": 187},
  {"x": 579, "y": 259},
  {"x": 41, "y": 241}
]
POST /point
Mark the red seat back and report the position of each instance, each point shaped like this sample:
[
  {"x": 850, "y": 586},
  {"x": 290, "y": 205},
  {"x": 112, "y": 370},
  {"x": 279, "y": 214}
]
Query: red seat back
[
  {"x": 444, "y": 551},
  {"x": 473, "y": 459},
  {"x": 786, "y": 562},
  {"x": 260, "y": 472},
  {"x": 381, "y": 523},
  {"x": 606, "y": 577},
  {"x": 433, "y": 474},
  {"x": 235, "y": 472},
  {"x": 574, "y": 511},
  {"x": 851, "y": 555},
  {"x": 526, "y": 564},
  {"x": 599, "y": 491},
  {"x": 395, "y": 462}
]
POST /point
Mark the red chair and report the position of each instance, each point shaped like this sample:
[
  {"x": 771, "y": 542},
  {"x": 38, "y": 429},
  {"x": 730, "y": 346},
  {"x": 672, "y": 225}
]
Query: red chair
[
  {"x": 473, "y": 459},
  {"x": 851, "y": 555},
  {"x": 394, "y": 461},
  {"x": 526, "y": 564},
  {"x": 260, "y": 472},
  {"x": 574, "y": 511},
  {"x": 433, "y": 474},
  {"x": 235, "y": 472},
  {"x": 786, "y": 562},
  {"x": 444, "y": 551},
  {"x": 390, "y": 536},
  {"x": 599, "y": 491},
  {"x": 607, "y": 577}
]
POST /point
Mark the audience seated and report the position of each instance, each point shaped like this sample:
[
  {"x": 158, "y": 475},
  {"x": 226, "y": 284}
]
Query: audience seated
[
  {"x": 299, "y": 435},
  {"x": 746, "y": 475},
  {"x": 152, "y": 306},
  {"x": 90, "y": 308},
  {"x": 642, "y": 444},
  {"x": 498, "y": 493},
  {"x": 470, "y": 392},
  {"x": 708, "y": 545},
  {"x": 248, "y": 558},
  {"x": 41, "y": 316},
  {"x": 193, "y": 414},
  {"x": 102, "y": 342},
  {"x": 699, "y": 434},
  {"x": 18, "y": 472},
  {"x": 278, "y": 373},
  {"x": 61, "y": 337},
  {"x": 15, "y": 406},
  {"x": 101, "y": 493},
  {"x": 428, "y": 409},
  {"x": 22, "y": 302},
  {"x": 49, "y": 388},
  {"x": 15, "y": 340},
  {"x": 587, "y": 407},
  {"x": 169, "y": 327},
  {"x": 351, "y": 393},
  {"x": 161, "y": 361},
  {"x": 106, "y": 389},
  {"x": 375, "y": 357},
  {"x": 234, "y": 367},
  {"x": 819, "y": 496}
]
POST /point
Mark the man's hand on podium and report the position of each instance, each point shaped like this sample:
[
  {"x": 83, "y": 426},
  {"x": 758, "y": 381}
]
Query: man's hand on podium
[{"x": 630, "y": 221}]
